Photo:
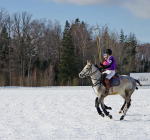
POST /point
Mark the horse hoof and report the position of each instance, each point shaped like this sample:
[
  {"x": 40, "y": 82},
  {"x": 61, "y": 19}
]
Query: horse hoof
[
  {"x": 110, "y": 116},
  {"x": 102, "y": 115},
  {"x": 122, "y": 117},
  {"x": 120, "y": 112},
  {"x": 109, "y": 108}
]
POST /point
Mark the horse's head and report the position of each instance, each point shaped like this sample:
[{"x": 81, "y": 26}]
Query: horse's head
[{"x": 86, "y": 70}]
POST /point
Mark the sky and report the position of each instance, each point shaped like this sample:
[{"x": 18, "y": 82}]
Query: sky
[{"x": 130, "y": 15}]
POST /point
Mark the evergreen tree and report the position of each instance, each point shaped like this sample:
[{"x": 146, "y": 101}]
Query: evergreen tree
[
  {"x": 4, "y": 56},
  {"x": 77, "y": 21},
  {"x": 4, "y": 49},
  {"x": 67, "y": 65},
  {"x": 122, "y": 37},
  {"x": 75, "y": 27},
  {"x": 131, "y": 45}
]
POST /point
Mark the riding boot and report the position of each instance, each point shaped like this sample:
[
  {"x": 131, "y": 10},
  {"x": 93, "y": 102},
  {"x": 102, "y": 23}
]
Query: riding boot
[{"x": 107, "y": 86}]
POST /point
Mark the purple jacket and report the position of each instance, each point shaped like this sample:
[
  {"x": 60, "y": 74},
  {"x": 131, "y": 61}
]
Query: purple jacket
[{"x": 111, "y": 61}]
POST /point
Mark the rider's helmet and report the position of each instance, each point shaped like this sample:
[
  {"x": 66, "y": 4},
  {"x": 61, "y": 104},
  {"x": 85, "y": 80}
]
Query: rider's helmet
[{"x": 109, "y": 51}]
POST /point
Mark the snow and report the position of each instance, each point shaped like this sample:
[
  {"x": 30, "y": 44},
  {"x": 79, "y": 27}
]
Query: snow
[{"x": 68, "y": 113}]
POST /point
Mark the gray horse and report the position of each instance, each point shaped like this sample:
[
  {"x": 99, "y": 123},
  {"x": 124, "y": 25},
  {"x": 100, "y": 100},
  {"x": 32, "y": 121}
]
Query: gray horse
[{"x": 125, "y": 89}]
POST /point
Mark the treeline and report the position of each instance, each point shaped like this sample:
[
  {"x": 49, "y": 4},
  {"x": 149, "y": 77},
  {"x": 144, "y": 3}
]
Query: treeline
[{"x": 39, "y": 53}]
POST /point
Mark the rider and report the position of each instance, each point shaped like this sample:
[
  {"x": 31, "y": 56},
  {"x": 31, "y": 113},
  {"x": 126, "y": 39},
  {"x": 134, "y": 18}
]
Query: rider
[{"x": 111, "y": 65}]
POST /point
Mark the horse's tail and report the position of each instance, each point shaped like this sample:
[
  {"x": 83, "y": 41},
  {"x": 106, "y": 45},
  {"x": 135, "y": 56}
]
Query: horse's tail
[{"x": 138, "y": 83}]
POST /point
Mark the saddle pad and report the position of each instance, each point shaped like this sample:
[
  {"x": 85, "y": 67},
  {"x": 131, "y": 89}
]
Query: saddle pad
[{"x": 114, "y": 81}]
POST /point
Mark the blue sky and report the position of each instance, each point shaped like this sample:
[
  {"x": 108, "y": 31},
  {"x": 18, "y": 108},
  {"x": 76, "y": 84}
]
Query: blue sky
[{"x": 129, "y": 15}]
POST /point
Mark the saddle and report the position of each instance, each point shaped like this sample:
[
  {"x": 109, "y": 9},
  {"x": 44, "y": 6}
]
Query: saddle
[{"x": 114, "y": 81}]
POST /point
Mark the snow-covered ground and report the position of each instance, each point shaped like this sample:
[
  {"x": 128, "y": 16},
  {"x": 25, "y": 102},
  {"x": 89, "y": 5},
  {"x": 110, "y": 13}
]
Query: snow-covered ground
[{"x": 68, "y": 113}]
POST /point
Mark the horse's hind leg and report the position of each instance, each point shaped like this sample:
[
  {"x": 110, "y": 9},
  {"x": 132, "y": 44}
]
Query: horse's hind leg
[
  {"x": 122, "y": 108},
  {"x": 128, "y": 103},
  {"x": 127, "y": 106},
  {"x": 126, "y": 109},
  {"x": 98, "y": 108}
]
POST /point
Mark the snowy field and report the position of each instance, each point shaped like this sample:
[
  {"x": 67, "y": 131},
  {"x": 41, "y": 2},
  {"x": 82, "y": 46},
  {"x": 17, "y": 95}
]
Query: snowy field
[{"x": 68, "y": 113}]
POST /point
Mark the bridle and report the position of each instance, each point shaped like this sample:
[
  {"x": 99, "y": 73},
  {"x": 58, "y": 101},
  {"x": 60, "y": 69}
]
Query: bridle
[{"x": 89, "y": 73}]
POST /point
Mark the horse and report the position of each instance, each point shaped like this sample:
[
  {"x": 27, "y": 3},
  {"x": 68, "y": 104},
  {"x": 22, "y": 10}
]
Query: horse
[{"x": 125, "y": 89}]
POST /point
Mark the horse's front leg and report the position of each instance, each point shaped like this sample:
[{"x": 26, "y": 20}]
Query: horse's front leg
[
  {"x": 104, "y": 109},
  {"x": 98, "y": 108},
  {"x": 109, "y": 108}
]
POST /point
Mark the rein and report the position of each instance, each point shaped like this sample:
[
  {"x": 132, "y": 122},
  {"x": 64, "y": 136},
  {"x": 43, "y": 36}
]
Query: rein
[{"x": 98, "y": 82}]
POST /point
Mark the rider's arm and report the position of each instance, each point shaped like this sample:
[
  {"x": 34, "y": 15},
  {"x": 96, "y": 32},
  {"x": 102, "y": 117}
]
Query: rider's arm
[{"x": 111, "y": 61}]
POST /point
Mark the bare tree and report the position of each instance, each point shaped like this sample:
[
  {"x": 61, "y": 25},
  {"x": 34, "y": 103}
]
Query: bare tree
[
  {"x": 21, "y": 30},
  {"x": 82, "y": 41},
  {"x": 3, "y": 17}
]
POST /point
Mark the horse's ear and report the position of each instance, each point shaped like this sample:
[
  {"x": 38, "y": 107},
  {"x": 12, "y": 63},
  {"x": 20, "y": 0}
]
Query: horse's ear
[{"x": 90, "y": 62}]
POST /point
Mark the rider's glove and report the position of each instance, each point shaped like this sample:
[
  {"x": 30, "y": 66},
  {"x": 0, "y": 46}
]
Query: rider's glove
[{"x": 101, "y": 65}]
